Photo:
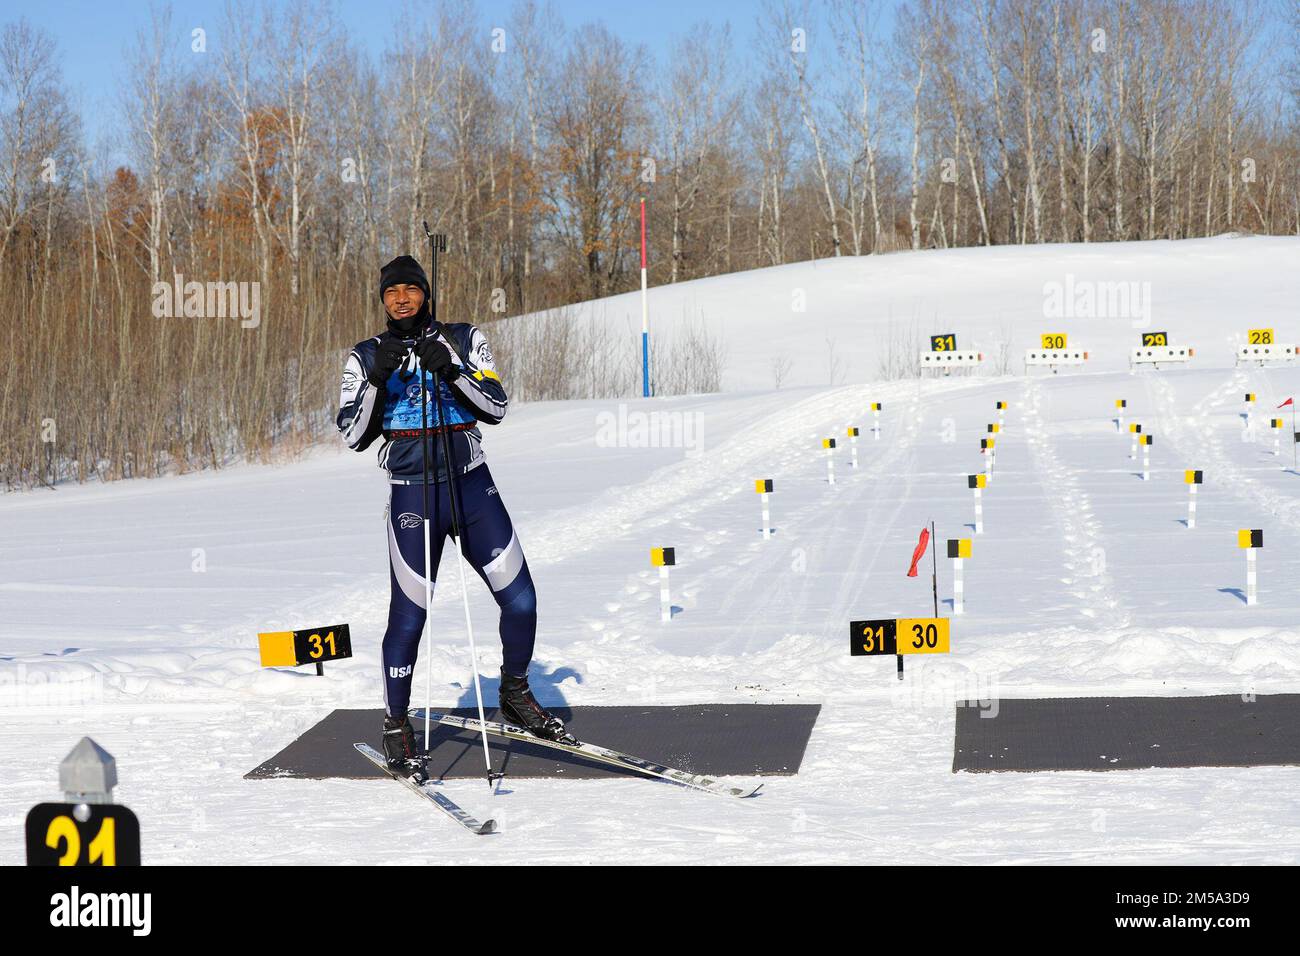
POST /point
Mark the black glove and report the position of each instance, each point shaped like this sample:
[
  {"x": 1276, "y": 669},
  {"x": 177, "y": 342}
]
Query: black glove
[
  {"x": 435, "y": 358},
  {"x": 388, "y": 359}
]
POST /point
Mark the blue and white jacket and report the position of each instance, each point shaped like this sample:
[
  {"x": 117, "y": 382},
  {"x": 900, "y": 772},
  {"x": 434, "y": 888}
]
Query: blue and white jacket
[{"x": 475, "y": 395}]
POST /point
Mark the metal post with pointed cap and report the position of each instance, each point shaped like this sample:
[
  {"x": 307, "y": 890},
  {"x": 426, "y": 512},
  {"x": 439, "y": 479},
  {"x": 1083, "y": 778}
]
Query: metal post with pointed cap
[
  {"x": 87, "y": 829},
  {"x": 88, "y": 774}
]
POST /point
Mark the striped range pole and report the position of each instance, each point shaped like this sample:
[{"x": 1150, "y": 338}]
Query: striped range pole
[
  {"x": 1135, "y": 430},
  {"x": 875, "y": 411},
  {"x": 1193, "y": 478},
  {"x": 1146, "y": 457},
  {"x": 853, "y": 446},
  {"x": 977, "y": 483},
  {"x": 645, "y": 314},
  {"x": 1252, "y": 540},
  {"x": 1120, "y": 405},
  {"x": 663, "y": 559},
  {"x": 958, "y": 549},
  {"x": 764, "y": 488},
  {"x": 829, "y": 445}
]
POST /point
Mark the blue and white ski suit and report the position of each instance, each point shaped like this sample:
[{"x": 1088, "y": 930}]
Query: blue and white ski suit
[{"x": 490, "y": 545}]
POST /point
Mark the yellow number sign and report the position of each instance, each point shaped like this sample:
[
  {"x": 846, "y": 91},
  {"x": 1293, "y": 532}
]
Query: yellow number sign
[{"x": 923, "y": 635}]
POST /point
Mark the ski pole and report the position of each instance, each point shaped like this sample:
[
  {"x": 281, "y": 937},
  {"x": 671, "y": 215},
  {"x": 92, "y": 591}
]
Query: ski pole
[
  {"x": 428, "y": 571},
  {"x": 456, "y": 530},
  {"x": 438, "y": 243},
  {"x": 428, "y": 548}
]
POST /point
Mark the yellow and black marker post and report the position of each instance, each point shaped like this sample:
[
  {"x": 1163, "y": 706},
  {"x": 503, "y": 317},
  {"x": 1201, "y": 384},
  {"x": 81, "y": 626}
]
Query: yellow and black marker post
[
  {"x": 875, "y": 412},
  {"x": 764, "y": 488},
  {"x": 829, "y": 445},
  {"x": 1252, "y": 539},
  {"x": 663, "y": 559},
  {"x": 977, "y": 483},
  {"x": 1135, "y": 430},
  {"x": 1193, "y": 479},
  {"x": 988, "y": 448},
  {"x": 1276, "y": 425},
  {"x": 853, "y": 446},
  {"x": 1120, "y": 405},
  {"x": 959, "y": 549}
]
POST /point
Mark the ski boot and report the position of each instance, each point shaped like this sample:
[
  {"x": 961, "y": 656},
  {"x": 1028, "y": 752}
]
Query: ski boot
[
  {"x": 520, "y": 707},
  {"x": 399, "y": 749}
]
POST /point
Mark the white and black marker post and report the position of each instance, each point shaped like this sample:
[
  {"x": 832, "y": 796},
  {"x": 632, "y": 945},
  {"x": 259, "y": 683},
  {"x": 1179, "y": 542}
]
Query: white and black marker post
[
  {"x": 764, "y": 488},
  {"x": 829, "y": 445},
  {"x": 875, "y": 411},
  {"x": 1252, "y": 539},
  {"x": 437, "y": 244},
  {"x": 1146, "y": 456},
  {"x": 663, "y": 559},
  {"x": 977, "y": 483},
  {"x": 853, "y": 446},
  {"x": 1193, "y": 479},
  {"x": 959, "y": 549}
]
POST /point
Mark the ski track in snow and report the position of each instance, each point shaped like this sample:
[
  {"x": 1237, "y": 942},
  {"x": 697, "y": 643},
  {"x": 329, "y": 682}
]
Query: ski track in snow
[
  {"x": 1194, "y": 434},
  {"x": 1084, "y": 556}
]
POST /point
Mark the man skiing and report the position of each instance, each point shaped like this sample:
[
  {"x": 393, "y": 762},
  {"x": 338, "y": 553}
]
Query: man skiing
[{"x": 381, "y": 396}]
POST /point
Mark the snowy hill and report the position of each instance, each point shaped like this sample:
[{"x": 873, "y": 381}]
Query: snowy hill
[
  {"x": 131, "y": 610},
  {"x": 835, "y": 319}
]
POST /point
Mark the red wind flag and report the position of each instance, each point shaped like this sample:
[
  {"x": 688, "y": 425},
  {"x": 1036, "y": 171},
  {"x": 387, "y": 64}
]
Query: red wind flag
[
  {"x": 1286, "y": 403},
  {"x": 919, "y": 552}
]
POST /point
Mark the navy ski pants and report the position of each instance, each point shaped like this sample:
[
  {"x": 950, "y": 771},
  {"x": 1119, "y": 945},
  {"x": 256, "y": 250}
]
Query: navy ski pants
[{"x": 491, "y": 548}]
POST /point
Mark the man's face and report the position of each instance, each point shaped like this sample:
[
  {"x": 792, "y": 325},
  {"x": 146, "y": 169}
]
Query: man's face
[{"x": 403, "y": 300}]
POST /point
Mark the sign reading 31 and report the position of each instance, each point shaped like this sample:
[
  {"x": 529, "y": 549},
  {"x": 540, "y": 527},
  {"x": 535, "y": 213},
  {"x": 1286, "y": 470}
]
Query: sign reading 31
[{"x": 58, "y": 836}]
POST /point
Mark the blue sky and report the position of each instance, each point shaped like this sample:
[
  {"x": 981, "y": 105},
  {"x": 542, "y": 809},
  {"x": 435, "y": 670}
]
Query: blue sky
[{"x": 92, "y": 36}]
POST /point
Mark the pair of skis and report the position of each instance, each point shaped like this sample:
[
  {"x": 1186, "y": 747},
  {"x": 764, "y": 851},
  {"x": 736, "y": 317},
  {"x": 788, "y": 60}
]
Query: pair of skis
[{"x": 605, "y": 755}]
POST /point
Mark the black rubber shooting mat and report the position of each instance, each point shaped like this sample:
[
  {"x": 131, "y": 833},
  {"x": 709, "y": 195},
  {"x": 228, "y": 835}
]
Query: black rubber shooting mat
[
  {"x": 719, "y": 739},
  {"x": 1127, "y": 733}
]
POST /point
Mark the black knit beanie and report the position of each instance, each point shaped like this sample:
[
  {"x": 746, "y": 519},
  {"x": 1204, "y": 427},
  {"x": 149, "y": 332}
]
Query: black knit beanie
[{"x": 403, "y": 269}]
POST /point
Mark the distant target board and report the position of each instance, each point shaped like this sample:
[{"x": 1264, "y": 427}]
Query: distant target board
[
  {"x": 1155, "y": 350},
  {"x": 1262, "y": 346},
  {"x": 1055, "y": 356},
  {"x": 944, "y": 354},
  {"x": 947, "y": 361}
]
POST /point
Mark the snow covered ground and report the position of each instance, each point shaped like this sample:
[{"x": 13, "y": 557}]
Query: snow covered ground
[{"x": 130, "y": 611}]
